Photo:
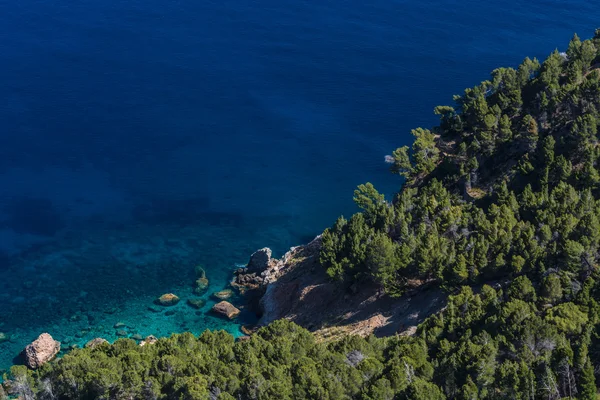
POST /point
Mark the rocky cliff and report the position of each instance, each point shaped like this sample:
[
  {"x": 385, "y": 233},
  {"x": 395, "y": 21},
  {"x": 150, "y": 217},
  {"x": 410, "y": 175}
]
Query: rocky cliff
[{"x": 297, "y": 288}]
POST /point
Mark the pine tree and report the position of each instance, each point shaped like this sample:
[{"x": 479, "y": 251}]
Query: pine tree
[{"x": 587, "y": 383}]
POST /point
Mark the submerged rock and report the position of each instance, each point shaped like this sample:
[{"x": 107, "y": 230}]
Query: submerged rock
[
  {"x": 200, "y": 272},
  {"x": 121, "y": 332},
  {"x": 40, "y": 351},
  {"x": 137, "y": 336},
  {"x": 201, "y": 285},
  {"x": 196, "y": 303},
  {"x": 3, "y": 337},
  {"x": 149, "y": 340},
  {"x": 227, "y": 309},
  {"x": 167, "y": 300},
  {"x": 92, "y": 344},
  {"x": 223, "y": 294},
  {"x": 259, "y": 260},
  {"x": 119, "y": 325}
]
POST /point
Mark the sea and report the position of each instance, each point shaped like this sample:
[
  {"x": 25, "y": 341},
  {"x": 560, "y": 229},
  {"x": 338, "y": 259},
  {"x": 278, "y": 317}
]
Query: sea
[{"x": 142, "y": 139}]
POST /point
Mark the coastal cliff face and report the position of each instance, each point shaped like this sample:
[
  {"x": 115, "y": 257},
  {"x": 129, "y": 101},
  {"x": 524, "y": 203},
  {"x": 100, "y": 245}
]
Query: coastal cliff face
[{"x": 297, "y": 288}]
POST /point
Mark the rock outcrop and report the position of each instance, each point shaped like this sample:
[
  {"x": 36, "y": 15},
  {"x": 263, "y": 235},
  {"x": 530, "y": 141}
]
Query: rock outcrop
[
  {"x": 226, "y": 309},
  {"x": 96, "y": 342},
  {"x": 296, "y": 287},
  {"x": 42, "y": 350},
  {"x": 259, "y": 260},
  {"x": 149, "y": 340},
  {"x": 167, "y": 300}
]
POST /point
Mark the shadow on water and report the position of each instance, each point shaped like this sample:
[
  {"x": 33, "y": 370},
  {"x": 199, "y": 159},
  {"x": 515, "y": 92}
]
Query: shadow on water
[
  {"x": 308, "y": 237},
  {"x": 18, "y": 359},
  {"x": 32, "y": 215},
  {"x": 4, "y": 261},
  {"x": 184, "y": 212}
]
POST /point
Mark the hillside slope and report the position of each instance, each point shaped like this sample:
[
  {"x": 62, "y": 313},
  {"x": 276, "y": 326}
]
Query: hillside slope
[{"x": 297, "y": 288}]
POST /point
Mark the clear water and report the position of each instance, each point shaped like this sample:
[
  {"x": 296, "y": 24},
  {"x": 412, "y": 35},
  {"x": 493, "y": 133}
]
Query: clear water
[{"x": 141, "y": 138}]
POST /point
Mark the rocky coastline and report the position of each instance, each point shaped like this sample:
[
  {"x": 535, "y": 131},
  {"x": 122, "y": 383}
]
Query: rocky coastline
[{"x": 297, "y": 288}]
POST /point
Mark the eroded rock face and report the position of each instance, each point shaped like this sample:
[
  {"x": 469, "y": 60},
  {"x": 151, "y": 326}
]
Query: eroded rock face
[
  {"x": 244, "y": 280},
  {"x": 42, "y": 350},
  {"x": 259, "y": 260},
  {"x": 226, "y": 309},
  {"x": 297, "y": 288}
]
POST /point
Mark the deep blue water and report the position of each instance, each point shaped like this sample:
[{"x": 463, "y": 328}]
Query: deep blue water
[{"x": 140, "y": 138}]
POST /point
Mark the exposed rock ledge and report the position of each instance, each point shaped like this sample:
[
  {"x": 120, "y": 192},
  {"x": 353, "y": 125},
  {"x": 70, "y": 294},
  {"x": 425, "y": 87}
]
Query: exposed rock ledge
[{"x": 297, "y": 288}]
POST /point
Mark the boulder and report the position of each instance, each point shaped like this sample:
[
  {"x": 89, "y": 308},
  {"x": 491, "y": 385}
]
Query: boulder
[
  {"x": 121, "y": 332},
  {"x": 149, "y": 340},
  {"x": 247, "y": 281},
  {"x": 3, "y": 337},
  {"x": 137, "y": 337},
  {"x": 196, "y": 303},
  {"x": 223, "y": 294},
  {"x": 42, "y": 350},
  {"x": 167, "y": 300},
  {"x": 226, "y": 309},
  {"x": 95, "y": 343},
  {"x": 259, "y": 260}
]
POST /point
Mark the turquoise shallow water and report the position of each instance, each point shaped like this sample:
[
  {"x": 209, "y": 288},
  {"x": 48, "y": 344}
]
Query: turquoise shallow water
[
  {"x": 139, "y": 139},
  {"x": 81, "y": 285}
]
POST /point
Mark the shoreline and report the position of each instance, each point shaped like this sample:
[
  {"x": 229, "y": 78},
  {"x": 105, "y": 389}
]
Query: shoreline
[{"x": 124, "y": 294}]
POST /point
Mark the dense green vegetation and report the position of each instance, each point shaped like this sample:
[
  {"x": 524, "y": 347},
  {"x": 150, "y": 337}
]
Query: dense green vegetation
[
  {"x": 281, "y": 361},
  {"x": 505, "y": 191},
  {"x": 500, "y": 206},
  {"x": 506, "y": 185}
]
